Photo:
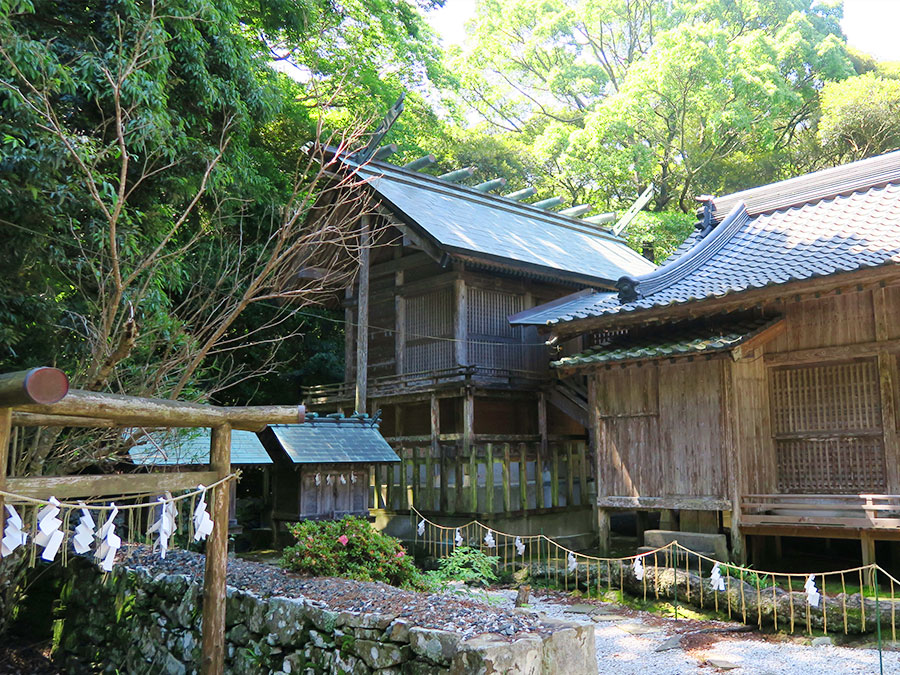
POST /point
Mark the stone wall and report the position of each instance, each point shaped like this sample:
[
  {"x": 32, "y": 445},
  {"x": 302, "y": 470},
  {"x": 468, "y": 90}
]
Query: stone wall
[{"x": 134, "y": 622}]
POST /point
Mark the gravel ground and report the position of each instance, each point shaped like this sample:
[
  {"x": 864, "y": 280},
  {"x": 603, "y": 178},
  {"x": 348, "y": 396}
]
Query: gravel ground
[
  {"x": 465, "y": 616},
  {"x": 627, "y": 643}
]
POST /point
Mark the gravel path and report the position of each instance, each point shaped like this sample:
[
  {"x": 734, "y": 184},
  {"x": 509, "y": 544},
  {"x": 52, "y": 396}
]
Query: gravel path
[{"x": 627, "y": 643}]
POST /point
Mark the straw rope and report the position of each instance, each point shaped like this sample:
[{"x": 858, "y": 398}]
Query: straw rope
[{"x": 661, "y": 580}]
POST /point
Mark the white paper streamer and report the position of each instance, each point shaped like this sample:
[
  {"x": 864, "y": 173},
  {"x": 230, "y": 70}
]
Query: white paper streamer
[
  {"x": 84, "y": 532},
  {"x": 49, "y": 536},
  {"x": 203, "y": 524},
  {"x": 353, "y": 478},
  {"x": 318, "y": 479},
  {"x": 489, "y": 539},
  {"x": 459, "y": 539},
  {"x": 13, "y": 536},
  {"x": 573, "y": 564},
  {"x": 343, "y": 480},
  {"x": 520, "y": 547},
  {"x": 421, "y": 528},
  {"x": 109, "y": 542},
  {"x": 716, "y": 582},
  {"x": 638, "y": 567},
  {"x": 812, "y": 593},
  {"x": 164, "y": 527},
  {"x": 329, "y": 479}
]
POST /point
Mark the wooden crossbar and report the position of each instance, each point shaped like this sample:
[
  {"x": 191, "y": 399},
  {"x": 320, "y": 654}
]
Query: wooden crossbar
[{"x": 84, "y": 487}]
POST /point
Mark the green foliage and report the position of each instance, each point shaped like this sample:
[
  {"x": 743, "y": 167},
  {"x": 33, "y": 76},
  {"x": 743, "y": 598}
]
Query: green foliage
[
  {"x": 351, "y": 548},
  {"x": 467, "y": 564},
  {"x": 860, "y": 116}
]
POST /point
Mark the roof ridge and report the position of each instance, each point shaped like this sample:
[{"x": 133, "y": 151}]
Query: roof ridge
[
  {"x": 494, "y": 200},
  {"x": 631, "y": 288},
  {"x": 816, "y": 186}
]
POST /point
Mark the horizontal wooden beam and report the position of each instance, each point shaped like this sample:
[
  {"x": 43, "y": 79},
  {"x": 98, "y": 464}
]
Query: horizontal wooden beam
[
  {"x": 689, "y": 503},
  {"x": 819, "y": 531},
  {"x": 23, "y": 419},
  {"x": 84, "y": 487},
  {"x": 829, "y": 353},
  {"x": 155, "y": 412}
]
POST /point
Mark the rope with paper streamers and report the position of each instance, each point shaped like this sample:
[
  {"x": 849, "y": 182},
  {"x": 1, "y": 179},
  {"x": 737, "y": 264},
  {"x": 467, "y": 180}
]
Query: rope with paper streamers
[
  {"x": 815, "y": 601},
  {"x": 47, "y": 523}
]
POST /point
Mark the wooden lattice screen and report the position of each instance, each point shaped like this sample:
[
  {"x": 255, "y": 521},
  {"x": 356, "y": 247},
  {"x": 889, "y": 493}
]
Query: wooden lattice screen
[
  {"x": 430, "y": 314},
  {"x": 493, "y": 342},
  {"x": 826, "y": 421}
]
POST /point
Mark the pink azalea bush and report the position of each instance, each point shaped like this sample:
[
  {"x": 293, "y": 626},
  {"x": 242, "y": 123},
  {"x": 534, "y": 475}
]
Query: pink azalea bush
[{"x": 351, "y": 548}]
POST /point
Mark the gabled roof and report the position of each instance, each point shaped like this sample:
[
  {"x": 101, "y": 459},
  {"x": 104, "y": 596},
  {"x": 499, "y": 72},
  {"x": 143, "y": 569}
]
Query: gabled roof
[
  {"x": 815, "y": 235},
  {"x": 671, "y": 340},
  {"x": 330, "y": 440},
  {"x": 191, "y": 446},
  {"x": 491, "y": 229}
]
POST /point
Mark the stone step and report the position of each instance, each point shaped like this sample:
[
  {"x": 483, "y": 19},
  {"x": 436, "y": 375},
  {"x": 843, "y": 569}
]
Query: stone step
[{"x": 713, "y": 545}]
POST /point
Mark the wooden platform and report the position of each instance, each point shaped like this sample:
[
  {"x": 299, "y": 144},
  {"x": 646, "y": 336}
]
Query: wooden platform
[{"x": 825, "y": 515}]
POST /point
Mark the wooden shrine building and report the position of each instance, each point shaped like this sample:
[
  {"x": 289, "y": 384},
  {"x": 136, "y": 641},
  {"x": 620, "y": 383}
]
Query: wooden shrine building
[
  {"x": 468, "y": 400},
  {"x": 751, "y": 382}
]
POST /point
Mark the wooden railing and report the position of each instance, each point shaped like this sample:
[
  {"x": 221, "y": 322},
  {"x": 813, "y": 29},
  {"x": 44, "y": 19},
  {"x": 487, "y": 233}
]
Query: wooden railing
[
  {"x": 861, "y": 511},
  {"x": 409, "y": 382},
  {"x": 487, "y": 480}
]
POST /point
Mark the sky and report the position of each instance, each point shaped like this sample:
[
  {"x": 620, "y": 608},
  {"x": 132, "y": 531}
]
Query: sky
[{"x": 872, "y": 26}]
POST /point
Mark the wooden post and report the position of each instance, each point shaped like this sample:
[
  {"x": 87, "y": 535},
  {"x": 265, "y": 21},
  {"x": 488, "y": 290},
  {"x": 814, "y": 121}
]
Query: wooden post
[
  {"x": 399, "y": 324},
  {"x": 379, "y": 502},
  {"x": 523, "y": 476},
  {"x": 542, "y": 450},
  {"x": 213, "y": 626},
  {"x": 583, "y": 473},
  {"x": 603, "y": 531},
  {"x": 349, "y": 336},
  {"x": 473, "y": 481},
  {"x": 362, "y": 317},
  {"x": 428, "y": 496},
  {"x": 507, "y": 502},
  {"x": 570, "y": 475},
  {"x": 5, "y": 435},
  {"x": 554, "y": 477},
  {"x": 404, "y": 485},
  {"x": 489, "y": 479},
  {"x": 436, "y": 450},
  {"x": 868, "y": 548},
  {"x": 461, "y": 332}
]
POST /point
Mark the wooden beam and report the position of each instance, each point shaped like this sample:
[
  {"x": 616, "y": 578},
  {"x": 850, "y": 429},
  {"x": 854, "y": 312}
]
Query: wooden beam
[
  {"x": 213, "y": 621},
  {"x": 23, "y": 419},
  {"x": 887, "y": 378},
  {"x": 83, "y": 487},
  {"x": 815, "y": 354},
  {"x": 362, "y": 316},
  {"x": 399, "y": 329},
  {"x": 542, "y": 450},
  {"x": 38, "y": 385},
  {"x": 700, "y": 503},
  {"x": 461, "y": 322},
  {"x": 156, "y": 412},
  {"x": 5, "y": 435},
  {"x": 764, "y": 336}
]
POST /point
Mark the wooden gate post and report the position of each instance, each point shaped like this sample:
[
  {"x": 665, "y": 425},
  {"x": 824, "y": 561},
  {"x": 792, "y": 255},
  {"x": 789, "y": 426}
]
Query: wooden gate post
[
  {"x": 5, "y": 435},
  {"x": 213, "y": 642}
]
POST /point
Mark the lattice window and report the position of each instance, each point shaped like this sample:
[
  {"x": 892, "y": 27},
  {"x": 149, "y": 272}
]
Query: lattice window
[
  {"x": 428, "y": 317},
  {"x": 826, "y": 422},
  {"x": 493, "y": 342}
]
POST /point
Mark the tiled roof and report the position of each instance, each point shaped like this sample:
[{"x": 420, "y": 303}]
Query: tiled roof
[
  {"x": 191, "y": 446},
  {"x": 492, "y": 229},
  {"x": 332, "y": 440},
  {"x": 669, "y": 340},
  {"x": 828, "y": 236}
]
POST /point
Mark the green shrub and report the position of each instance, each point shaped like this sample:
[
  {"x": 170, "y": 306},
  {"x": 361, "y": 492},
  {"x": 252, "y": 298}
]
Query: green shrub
[
  {"x": 468, "y": 565},
  {"x": 351, "y": 548}
]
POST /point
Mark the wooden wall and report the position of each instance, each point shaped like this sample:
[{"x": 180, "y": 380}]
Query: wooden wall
[{"x": 660, "y": 430}]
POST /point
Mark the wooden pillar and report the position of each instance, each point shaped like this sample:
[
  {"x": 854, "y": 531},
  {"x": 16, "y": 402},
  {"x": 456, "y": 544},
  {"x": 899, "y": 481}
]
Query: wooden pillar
[
  {"x": 542, "y": 450},
  {"x": 468, "y": 451},
  {"x": 640, "y": 525},
  {"x": 603, "y": 531},
  {"x": 349, "y": 336},
  {"x": 5, "y": 436},
  {"x": 399, "y": 324},
  {"x": 362, "y": 318},
  {"x": 213, "y": 642},
  {"x": 461, "y": 329},
  {"x": 732, "y": 433},
  {"x": 868, "y": 548}
]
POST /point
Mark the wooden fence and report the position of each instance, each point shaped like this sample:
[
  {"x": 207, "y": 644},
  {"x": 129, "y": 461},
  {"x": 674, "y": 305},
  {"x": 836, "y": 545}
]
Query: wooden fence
[{"x": 506, "y": 478}]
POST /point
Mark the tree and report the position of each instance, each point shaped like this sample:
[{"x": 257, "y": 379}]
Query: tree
[{"x": 860, "y": 117}]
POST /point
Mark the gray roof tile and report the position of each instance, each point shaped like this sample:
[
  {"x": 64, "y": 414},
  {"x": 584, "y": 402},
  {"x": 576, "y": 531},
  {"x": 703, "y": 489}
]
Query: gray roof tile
[
  {"x": 829, "y": 235},
  {"x": 491, "y": 228},
  {"x": 331, "y": 440}
]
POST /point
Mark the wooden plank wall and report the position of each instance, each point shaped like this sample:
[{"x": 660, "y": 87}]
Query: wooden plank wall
[
  {"x": 661, "y": 430},
  {"x": 491, "y": 479}
]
